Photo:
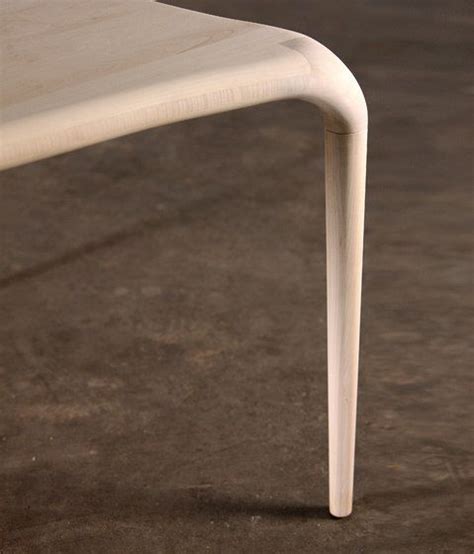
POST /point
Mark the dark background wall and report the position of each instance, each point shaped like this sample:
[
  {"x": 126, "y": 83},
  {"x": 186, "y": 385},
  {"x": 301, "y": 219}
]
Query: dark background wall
[{"x": 162, "y": 329}]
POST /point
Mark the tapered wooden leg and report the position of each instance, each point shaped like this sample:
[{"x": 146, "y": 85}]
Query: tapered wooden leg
[{"x": 345, "y": 196}]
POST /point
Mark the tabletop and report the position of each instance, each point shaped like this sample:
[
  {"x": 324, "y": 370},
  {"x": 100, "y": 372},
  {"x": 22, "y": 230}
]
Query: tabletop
[{"x": 76, "y": 73}]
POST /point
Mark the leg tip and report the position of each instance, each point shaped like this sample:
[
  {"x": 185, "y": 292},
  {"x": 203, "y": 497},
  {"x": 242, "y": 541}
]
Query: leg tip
[{"x": 340, "y": 512}]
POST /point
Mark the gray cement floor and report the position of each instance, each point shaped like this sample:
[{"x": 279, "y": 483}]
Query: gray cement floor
[{"x": 162, "y": 330}]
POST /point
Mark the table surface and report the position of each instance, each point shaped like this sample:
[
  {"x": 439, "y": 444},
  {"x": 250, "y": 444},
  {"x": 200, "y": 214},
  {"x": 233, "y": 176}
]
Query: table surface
[{"x": 75, "y": 73}]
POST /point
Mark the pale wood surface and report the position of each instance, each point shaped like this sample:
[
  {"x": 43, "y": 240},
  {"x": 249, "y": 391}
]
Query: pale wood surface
[
  {"x": 76, "y": 73},
  {"x": 345, "y": 201}
]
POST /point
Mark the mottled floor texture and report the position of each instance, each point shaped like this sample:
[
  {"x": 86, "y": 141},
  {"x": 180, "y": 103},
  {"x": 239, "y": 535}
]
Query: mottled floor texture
[{"x": 162, "y": 329}]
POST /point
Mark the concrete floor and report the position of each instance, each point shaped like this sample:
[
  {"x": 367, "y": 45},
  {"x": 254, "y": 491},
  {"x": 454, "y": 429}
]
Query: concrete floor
[{"x": 162, "y": 330}]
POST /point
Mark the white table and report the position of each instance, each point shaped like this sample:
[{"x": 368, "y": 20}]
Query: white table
[{"x": 74, "y": 73}]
